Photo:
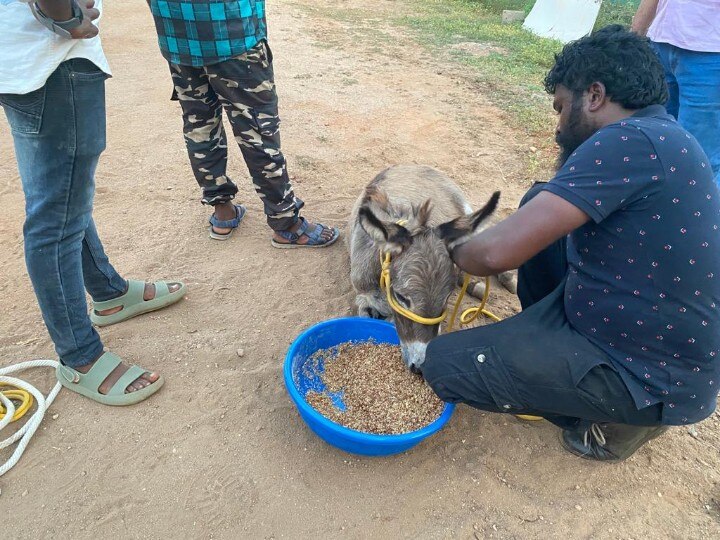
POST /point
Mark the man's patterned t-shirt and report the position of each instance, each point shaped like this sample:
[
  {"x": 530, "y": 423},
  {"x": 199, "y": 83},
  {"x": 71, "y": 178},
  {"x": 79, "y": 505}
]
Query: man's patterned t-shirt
[{"x": 644, "y": 273}]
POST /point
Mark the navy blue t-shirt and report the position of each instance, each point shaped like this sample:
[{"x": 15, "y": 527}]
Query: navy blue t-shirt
[{"x": 644, "y": 273}]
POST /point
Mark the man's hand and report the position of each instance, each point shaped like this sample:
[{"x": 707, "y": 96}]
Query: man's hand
[
  {"x": 60, "y": 10},
  {"x": 507, "y": 245},
  {"x": 87, "y": 29}
]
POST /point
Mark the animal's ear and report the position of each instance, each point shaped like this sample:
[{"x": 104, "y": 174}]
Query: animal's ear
[
  {"x": 459, "y": 230},
  {"x": 376, "y": 197},
  {"x": 390, "y": 237}
]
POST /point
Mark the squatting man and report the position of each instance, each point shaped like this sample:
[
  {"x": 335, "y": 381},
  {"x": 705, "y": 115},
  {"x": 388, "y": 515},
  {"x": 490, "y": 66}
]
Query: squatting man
[{"x": 618, "y": 268}]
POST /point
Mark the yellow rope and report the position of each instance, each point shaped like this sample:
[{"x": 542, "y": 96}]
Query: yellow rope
[
  {"x": 25, "y": 399},
  {"x": 467, "y": 316},
  {"x": 470, "y": 314},
  {"x": 385, "y": 284}
]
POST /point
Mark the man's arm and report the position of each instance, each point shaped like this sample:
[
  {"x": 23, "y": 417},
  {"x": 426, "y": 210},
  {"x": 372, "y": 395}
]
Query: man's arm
[
  {"x": 537, "y": 224},
  {"x": 61, "y": 10},
  {"x": 644, "y": 16}
]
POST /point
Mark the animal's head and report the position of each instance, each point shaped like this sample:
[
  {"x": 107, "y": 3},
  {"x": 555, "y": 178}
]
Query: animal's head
[{"x": 422, "y": 274}]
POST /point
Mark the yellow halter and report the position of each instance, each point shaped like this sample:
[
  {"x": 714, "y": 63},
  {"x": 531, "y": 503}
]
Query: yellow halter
[
  {"x": 385, "y": 284},
  {"x": 468, "y": 316}
]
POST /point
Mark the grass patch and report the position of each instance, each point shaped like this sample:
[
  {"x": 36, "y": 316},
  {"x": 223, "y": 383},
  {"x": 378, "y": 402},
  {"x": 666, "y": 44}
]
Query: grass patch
[
  {"x": 514, "y": 66},
  {"x": 611, "y": 11},
  {"x": 616, "y": 12},
  {"x": 517, "y": 61},
  {"x": 498, "y": 6}
]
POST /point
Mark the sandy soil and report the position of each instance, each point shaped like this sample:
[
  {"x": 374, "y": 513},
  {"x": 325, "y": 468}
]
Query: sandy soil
[{"x": 221, "y": 452}]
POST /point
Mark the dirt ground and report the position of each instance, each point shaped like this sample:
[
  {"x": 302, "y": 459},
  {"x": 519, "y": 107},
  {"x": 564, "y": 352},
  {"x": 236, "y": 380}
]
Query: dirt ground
[{"x": 220, "y": 452}]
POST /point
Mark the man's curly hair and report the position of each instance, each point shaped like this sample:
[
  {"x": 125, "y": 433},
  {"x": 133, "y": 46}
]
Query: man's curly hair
[{"x": 619, "y": 59}]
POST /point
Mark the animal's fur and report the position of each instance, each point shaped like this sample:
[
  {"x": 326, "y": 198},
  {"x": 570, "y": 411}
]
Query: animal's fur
[{"x": 415, "y": 213}]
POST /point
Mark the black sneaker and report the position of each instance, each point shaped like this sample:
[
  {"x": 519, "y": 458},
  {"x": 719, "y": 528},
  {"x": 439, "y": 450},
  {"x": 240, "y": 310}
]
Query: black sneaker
[{"x": 609, "y": 442}]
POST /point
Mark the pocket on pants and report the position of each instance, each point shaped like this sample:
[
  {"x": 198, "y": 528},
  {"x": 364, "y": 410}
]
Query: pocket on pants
[
  {"x": 593, "y": 385},
  {"x": 266, "y": 124},
  {"x": 24, "y": 111},
  {"x": 498, "y": 380},
  {"x": 476, "y": 375},
  {"x": 253, "y": 66},
  {"x": 268, "y": 51},
  {"x": 82, "y": 70}
]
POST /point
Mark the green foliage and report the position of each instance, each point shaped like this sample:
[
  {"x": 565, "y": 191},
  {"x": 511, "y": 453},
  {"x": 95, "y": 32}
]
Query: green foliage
[
  {"x": 513, "y": 63},
  {"x": 616, "y": 12}
]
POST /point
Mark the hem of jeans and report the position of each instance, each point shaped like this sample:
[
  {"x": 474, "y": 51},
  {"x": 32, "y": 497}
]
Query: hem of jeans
[
  {"x": 83, "y": 357},
  {"x": 111, "y": 279},
  {"x": 117, "y": 293}
]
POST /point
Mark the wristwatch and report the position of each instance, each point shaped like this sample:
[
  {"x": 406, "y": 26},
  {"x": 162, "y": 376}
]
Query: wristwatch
[{"x": 61, "y": 28}]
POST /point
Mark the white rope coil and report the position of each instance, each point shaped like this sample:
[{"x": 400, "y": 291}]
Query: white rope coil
[{"x": 25, "y": 433}]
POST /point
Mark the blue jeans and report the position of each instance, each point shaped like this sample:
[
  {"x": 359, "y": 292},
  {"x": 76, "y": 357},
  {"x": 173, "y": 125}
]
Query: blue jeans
[
  {"x": 59, "y": 134},
  {"x": 693, "y": 79}
]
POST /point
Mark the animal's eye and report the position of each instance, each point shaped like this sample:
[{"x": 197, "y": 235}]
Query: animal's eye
[{"x": 404, "y": 302}]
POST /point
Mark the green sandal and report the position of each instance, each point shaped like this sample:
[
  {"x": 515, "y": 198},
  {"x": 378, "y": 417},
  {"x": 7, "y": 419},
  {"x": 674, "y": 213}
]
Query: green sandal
[
  {"x": 88, "y": 384},
  {"x": 133, "y": 303}
]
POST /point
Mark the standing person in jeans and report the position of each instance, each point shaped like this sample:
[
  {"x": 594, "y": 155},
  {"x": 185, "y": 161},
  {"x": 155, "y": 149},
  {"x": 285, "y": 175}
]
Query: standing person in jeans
[
  {"x": 220, "y": 59},
  {"x": 52, "y": 89},
  {"x": 686, "y": 36}
]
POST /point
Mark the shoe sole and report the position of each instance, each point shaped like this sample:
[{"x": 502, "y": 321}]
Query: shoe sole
[
  {"x": 172, "y": 298},
  {"x": 329, "y": 243}
]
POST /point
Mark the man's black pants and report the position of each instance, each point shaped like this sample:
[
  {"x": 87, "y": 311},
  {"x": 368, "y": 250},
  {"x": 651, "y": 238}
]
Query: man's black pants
[{"x": 535, "y": 362}]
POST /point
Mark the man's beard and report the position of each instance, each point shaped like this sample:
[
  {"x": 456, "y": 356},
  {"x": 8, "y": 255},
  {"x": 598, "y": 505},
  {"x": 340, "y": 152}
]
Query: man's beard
[{"x": 577, "y": 131}]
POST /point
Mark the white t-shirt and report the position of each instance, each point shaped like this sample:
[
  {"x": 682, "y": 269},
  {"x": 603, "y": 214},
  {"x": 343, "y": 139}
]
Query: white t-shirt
[{"x": 29, "y": 52}]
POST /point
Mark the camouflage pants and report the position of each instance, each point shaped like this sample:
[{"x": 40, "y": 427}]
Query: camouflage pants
[{"x": 245, "y": 88}]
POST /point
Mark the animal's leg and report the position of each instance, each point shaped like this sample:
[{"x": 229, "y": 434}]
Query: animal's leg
[
  {"x": 476, "y": 287},
  {"x": 372, "y": 305},
  {"x": 508, "y": 280}
]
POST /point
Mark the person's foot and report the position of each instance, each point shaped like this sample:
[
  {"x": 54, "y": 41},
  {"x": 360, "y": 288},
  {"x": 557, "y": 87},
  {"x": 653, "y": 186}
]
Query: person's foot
[
  {"x": 224, "y": 212},
  {"x": 146, "y": 379},
  {"x": 606, "y": 441},
  {"x": 148, "y": 294},
  {"x": 326, "y": 234}
]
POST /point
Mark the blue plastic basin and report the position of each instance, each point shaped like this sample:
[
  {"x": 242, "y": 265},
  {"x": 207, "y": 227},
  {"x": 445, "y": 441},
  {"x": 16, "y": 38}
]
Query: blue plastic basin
[{"x": 328, "y": 334}]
